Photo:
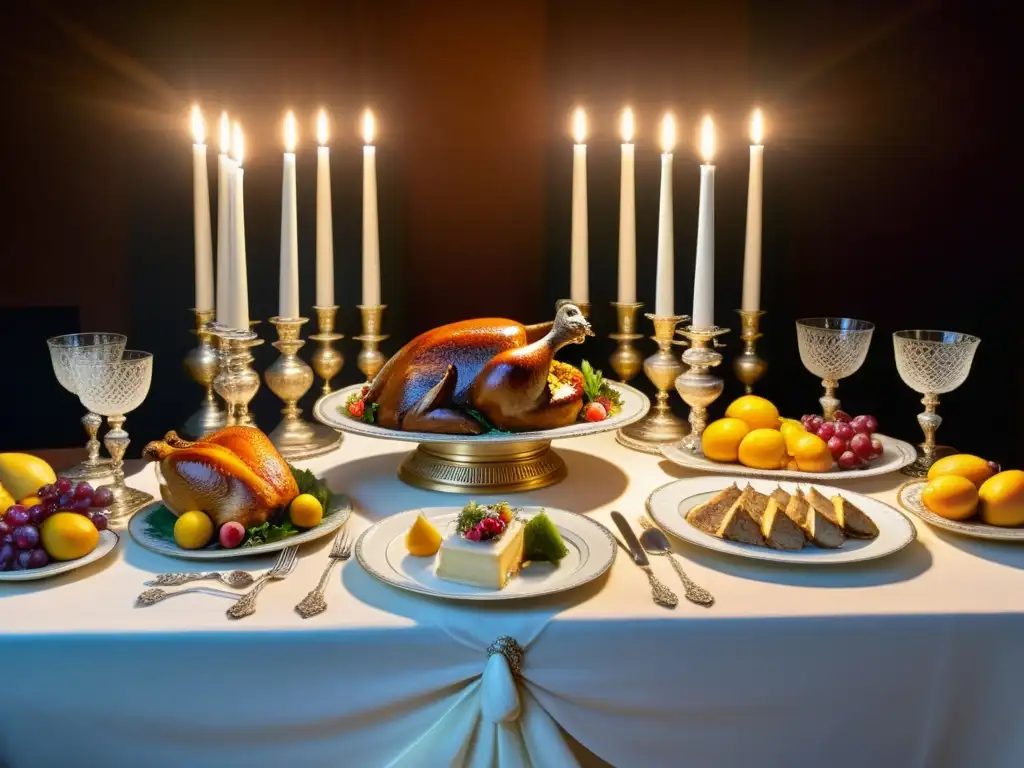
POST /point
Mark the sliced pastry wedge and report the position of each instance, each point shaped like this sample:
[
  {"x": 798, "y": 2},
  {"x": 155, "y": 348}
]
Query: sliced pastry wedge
[
  {"x": 796, "y": 510},
  {"x": 756, "y": 503},
  {"x": 854, "y": 521},
  {"x": 709, "y": 515},
  {"x": 781, "y": 497},
  {"x": 779, "y": 531},
  {"x": 818, "y": 501},
  {"x": 739, "y": 526}
]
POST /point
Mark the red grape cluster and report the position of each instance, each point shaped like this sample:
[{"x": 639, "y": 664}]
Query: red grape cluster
[
  {"x": 20, "y": 541},
  {"x": 850, "y": 440},
  {"x": 492, "y": 526}
]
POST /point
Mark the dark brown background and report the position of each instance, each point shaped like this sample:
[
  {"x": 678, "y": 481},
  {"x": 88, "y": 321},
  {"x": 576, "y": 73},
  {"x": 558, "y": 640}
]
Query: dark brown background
[{"x": 892, "y": 177}]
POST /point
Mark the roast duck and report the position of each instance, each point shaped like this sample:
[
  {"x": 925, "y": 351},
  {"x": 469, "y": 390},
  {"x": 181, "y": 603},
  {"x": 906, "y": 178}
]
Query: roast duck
[
  {"x": 234, "y": 474},
  {"x": 487, "y": 365}
]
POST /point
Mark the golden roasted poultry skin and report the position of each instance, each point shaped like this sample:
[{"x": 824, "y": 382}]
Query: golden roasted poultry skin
[{"x": 233, "y": 474}]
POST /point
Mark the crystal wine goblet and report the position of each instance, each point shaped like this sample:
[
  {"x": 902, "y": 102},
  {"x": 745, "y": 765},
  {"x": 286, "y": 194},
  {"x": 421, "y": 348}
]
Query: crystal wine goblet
[
  {"x": 64, "y": 351},
  {"x": 114, "y": 388},
  {"x": 932, "y": 363},
  {"x": 833, "y": 348}
]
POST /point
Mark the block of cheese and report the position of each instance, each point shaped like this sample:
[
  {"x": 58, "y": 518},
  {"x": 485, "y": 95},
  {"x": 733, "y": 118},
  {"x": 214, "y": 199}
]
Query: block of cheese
[{"x": 482, "y": 563}]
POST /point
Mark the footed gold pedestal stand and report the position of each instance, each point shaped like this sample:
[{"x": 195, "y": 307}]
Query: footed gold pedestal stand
[{"x": 483, "y": 467}]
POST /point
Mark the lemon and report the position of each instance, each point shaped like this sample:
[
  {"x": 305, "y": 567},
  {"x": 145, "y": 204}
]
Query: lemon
[
  {"x": 305, "y": 511},
  {"x": 721, "y": 439},
  {"x": 23, "y": 474},
  {"x": 6, "y": 500},
  {"x": 763, "y": 449},
  {"x": 757, "y": 412},
  {"x": 422, "y": 540},
  {"x": 68, "y": 536},
  {"x": 1002, "y": 498},
  {"x": 791, "y": 431},
  {"x": 193, "y": 530},
  {"x": 951, "y": 496},
  {"x": 974, "y": 468}
]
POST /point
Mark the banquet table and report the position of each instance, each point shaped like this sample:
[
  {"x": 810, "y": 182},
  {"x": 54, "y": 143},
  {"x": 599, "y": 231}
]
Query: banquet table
[{"x": 910, "y": 660}]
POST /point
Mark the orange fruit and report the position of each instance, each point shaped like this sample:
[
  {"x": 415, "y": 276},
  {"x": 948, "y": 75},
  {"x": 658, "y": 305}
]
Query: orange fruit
[
  {"x": 68, "y": 536},
  {"x": 791, "y": 430},
  {"x": 951, "y": 496},
  {"x": 974, "y": 468},
  {"x": 1002, "y": 499},
  {"x": 721, "y": 439},
  {"x": 423, "y": 539},
  {"x": 763, "y": 449},
  {"x": 757, "y": 412},
  {"x": 305, "y": 511}
]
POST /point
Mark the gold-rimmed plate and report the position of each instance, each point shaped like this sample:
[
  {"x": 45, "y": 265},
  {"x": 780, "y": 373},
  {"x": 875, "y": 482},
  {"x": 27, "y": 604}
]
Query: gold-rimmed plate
[{"x": 909, "y": 497}]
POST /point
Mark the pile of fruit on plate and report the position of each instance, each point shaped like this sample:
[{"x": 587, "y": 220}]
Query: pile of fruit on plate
[
  {"x": 755, "y": 435},
  {"x": 963, "y": 486},
  {"x": 53, "y": 519}
]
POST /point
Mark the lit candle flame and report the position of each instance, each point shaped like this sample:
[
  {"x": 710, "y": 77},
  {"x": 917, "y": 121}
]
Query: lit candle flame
[
  {"x": 321, "y": 128},
  {"x": 198, "y": 125},
  {"x": 668, "y": 133},
  {"x": 579, "y": 125},
  {"x": 627, "y": 125},
  {"x": 707, "y": 139},
  {"x": 368, "y": 127},
  {"x": 289, "y": 132},
  {"x": 225, "y": 134},
  {"x": 757, "y": 127},
  {"x": 237, "y": 143}
]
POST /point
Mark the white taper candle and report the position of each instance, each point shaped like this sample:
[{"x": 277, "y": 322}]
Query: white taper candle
[{"x": 324, "y": 224}]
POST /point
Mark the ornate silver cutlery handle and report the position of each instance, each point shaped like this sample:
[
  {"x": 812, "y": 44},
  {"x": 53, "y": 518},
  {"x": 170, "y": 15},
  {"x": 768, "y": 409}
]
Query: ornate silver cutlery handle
[
  {"x": 237, "y": 579},
  {"x": 314, "y": 602},
  {"x": 154, "y": 596},
  {"x": 662, "y": 595},
  {"x": 694, "y": 593},
  {"x": 246, "y": 604}
]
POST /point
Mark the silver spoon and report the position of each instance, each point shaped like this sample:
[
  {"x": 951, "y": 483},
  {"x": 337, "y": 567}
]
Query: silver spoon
[{"x": 655, "y": 542}]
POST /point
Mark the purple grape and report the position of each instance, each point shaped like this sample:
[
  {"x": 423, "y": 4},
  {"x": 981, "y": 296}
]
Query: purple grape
[
  {"x": 849, "y": 460},
  {"x": 16, "y": 515},
  {"x": 35, "y": 514},
  {"x": 102, "y": 497},
  {"x": 813, "y": 424},
  {"x": 26, "y": 537},
  {"x": 83, "y": 491},
  {"x": 860, "y": 444},
  {"x": 7, "y": 554},
  {"x": 21, "y": 561},
  {"x": 99, "y": 520},
  {"x": 37, "y": 558},
  {"x": 7, "y": 539},
  {"x": 81, "y": 505},
  {"x": 841, "y": 416},
  {"x": 857, "y": 422},
  {"x": 826, "y": 431},
  {"x": 844, "y": 431},
  {"x": 870, "y": 423},
  {"x": 5, "y": 528},
  {"x": 64, "y": 486},
  {"x": 46, "y": 491},
  {"x": 65, "y": 501}
]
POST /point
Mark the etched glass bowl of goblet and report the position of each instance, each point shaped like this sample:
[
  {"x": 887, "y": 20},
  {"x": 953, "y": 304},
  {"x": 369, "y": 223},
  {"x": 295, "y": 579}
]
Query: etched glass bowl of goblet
[
  {"x": 932, "y": 363},
  {"x": 64, "y": 352},
  {"x": 112, "y": 389},
  {"x": 833, "y": 348}
]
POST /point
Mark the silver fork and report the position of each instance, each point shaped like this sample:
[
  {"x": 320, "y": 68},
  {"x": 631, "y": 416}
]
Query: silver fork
[
  {"x": 154, "y": 596},
  {"x": 314, "y": 603},
  {"x": 246, "y": 605},
  {"x": 236, "y": 579}
]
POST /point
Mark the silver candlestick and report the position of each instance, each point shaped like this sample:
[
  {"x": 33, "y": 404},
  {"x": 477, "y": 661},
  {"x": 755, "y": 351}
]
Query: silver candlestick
[
  {"x": 201, "y": 364},
  {"x": 697, "y": 386},
  {"x": 236, "y": 381}
]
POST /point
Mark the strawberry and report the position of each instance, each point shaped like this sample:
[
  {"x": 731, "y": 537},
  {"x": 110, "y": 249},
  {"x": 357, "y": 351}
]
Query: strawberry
[
  {"x": 595, "y": 412},
  {"x": 357, "y": 408},
  {"x": 605, "y": 402}
]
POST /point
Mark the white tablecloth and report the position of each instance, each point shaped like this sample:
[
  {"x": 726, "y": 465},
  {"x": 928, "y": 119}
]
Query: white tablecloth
[{"x": 913, "y": 660}]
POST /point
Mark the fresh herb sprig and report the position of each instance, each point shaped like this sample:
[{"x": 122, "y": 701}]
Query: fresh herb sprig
[{"x": 596, "y": 388}]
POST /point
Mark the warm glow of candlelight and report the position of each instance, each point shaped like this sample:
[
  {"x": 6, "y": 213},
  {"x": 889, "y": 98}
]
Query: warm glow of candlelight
[
  {"x": 225, "y": 133},
  {"x": 707, "y": 139},
  {"x": 579, "y": 125},
  {"x": 668, "y": 133},
  {"x": 289, "y": 132},
  {"x": 369, "y": 126},
  {"x": 237, "y": 143},
  {"x": 198, "y": 125},
  {"x": 321, "y": 128},
  {"x": 757, "y": 127},
  {"x": 627, "y": 125}
]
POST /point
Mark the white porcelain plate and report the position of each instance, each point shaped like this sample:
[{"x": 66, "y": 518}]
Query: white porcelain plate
[
  {"x": 669, "y": 504},
  {"x": 909, "y": 497},
  {"x": 330, "y": 410},
  {"x": 106, "y": 544},
  {"x": 381, "y": 551},
  {"x": 896, "y": 454},
  {"x": 337, "y": 513}
]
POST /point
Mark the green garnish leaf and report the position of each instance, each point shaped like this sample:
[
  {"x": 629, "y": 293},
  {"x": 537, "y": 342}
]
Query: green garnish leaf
[
  {"x": 485, "y": 423},
  {"x": 268, "y": 533},
  {"x": 470, "y": 516},
  {"x": 311, "y": 484},
  {"x": 593, "y": 381},
  {"x": 542, "y": 542},
  {"x": 370, "y": 413},
  {"x": 160, "y": 523}
]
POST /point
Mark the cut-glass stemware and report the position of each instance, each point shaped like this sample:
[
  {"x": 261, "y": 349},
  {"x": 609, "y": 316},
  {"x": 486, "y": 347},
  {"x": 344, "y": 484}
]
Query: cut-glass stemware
[{"x": 833, "y": 348}]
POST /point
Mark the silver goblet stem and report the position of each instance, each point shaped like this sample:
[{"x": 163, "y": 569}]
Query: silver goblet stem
[
  {"x": 829, "y": 402},
  {"x": 92, "y": 423},
  {"x": 126, "y": 500}
]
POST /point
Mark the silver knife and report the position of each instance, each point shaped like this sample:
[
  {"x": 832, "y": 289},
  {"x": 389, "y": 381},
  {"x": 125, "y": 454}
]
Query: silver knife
[{"x": 661, "y": 594}]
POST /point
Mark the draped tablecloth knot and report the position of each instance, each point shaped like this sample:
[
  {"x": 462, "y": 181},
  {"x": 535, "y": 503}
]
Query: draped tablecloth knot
[{"x": 499, "y": 696}]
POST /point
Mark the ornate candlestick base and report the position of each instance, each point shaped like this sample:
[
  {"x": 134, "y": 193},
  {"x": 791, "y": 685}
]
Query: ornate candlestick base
[
  {"x": 697, "y": 386},
  {"x": 660, "y": 426},
  {"x": 327, "y": 361},
  {"x": 126, "y": 500},
  {"x": 626, "y": 360},
  {"x": 201, "y": 364},
  {"x": 236, "y": 381},
  {"x": 290, "y": 378},
  {"x": 371, "y": 359},
  {"x": 749, "y": 368}
]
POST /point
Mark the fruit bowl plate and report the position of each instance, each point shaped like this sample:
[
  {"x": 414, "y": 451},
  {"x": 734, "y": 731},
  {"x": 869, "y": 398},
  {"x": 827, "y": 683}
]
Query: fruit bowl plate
[
  {"x": 896, "y": 454},
  {"x": 909, "y": 497},
  {"x": 669, "y": 504},
  {"x": 107, "y": 541},
  {"x": 382, "y": 553},
  {"x": 146, "y": 534}
]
